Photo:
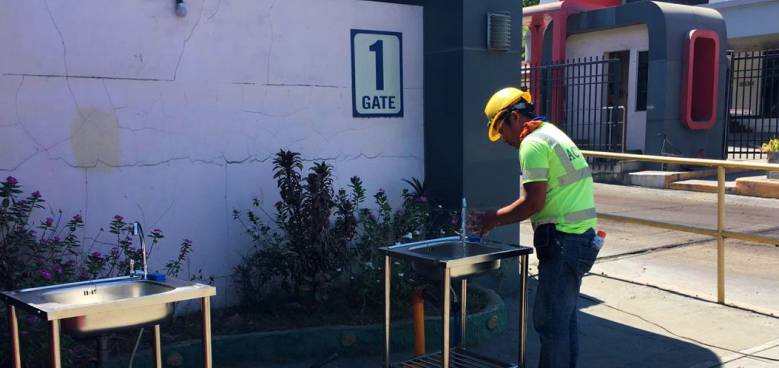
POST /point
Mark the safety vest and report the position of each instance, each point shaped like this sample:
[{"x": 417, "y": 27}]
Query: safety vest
[{"x": 548, "y": 154}]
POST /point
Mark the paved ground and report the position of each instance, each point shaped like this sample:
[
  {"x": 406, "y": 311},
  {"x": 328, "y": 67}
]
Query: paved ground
[{"x": 631, "y": 311}]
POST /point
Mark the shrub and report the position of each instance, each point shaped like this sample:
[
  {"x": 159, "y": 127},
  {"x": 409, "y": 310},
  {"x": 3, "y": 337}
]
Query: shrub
[
  {"x": 320, "y": 249},
  {"x": 49, "y": 251}
]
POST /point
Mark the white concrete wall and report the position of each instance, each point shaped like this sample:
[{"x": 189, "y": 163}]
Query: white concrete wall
[
  {"x": 123, "y": 108},
  {"x": 597, "y": 44}
]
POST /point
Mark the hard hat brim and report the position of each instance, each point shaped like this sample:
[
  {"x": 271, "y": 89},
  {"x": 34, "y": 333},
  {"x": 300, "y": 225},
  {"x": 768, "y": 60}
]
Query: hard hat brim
[{"x": 492, "y": 132}]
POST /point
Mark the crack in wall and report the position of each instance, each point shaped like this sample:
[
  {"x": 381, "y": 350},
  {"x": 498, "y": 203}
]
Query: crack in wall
[
  {"x": 186, "y": 41},
  {"x": 218, "y": 8},
  {"x": 64, "y": 57},
  {"x": 20, "y": 123},
  {"x": 270, "y": 44},
  {"x": 76, "y": 76}
]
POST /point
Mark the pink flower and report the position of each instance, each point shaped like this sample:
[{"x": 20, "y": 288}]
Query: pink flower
[
  {"x": 118, "y": 218},
  {"x": 36, "y": 194},
  {"x": 49, "y": 221},
  {"x": 11, "y": 180},
  {"x": 46, "y": 275}
]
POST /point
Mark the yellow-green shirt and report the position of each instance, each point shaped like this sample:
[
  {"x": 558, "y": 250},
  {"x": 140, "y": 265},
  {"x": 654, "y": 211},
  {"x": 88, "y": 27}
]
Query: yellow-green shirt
[{"x": 548, "y": 154}]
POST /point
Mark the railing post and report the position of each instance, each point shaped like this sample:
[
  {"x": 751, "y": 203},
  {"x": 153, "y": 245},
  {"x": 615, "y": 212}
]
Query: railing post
[{"x": 720, "y": 235}]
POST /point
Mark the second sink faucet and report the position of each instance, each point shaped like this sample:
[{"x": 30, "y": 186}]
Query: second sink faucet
[{"x": 137, "y": 230}]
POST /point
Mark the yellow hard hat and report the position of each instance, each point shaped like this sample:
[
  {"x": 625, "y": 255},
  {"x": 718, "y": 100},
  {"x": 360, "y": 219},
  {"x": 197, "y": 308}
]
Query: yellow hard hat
[{"x": 506, "y": 98}]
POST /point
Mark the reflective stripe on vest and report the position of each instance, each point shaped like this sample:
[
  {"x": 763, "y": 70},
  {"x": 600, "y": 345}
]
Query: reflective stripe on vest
[
  {"x": 532, "y": 174},
  {"x": 572, "y": 217},
  {"x": 572, "y": 175}
]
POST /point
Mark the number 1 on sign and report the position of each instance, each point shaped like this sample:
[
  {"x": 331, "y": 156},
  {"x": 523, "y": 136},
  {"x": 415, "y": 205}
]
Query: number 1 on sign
[{"x": 378, "y": 48}]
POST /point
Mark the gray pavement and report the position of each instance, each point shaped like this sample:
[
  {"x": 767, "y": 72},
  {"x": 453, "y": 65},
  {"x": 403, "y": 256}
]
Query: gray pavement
[{"x": 644, "y": 303}]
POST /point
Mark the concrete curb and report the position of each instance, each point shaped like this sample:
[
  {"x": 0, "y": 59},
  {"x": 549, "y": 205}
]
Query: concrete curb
[{"x": 317, "y": 342}]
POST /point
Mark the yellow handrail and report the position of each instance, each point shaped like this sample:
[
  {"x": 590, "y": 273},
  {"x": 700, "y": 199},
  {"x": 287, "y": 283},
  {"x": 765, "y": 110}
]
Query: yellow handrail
[{"x": 720, "y": 233}]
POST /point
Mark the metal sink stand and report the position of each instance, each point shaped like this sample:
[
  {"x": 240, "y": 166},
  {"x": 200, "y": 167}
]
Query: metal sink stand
[
  {"x": 55, "y": 357},
  {"x": 458, "y": 357}
]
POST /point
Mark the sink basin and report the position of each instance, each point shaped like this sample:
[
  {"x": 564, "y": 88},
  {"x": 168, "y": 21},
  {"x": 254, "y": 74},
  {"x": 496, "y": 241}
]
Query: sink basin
[
  {"x": 462, "y": 258},
  {"x": 449, "y": 251},
  {"x": 105, "y": 293},
  {"x": 105, "y": 305},
  {"x": 452, "y": 250}
]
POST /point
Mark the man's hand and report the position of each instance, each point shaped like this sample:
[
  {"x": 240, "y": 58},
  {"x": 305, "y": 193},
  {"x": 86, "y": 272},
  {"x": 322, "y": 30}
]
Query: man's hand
[{"x": 482, "y": 222}]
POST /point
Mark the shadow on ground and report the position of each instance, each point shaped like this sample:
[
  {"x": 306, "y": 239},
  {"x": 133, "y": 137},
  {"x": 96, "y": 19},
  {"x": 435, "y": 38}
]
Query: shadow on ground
[{"x": 604, "y": 344}]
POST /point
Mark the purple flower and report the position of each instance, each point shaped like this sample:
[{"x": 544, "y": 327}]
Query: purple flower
[
  {"x": 57, "y": 239},
  {"x": 46, "y": 275},
  {"x": 156, "y": 231},
  {"x": 118, "y": 218},
  {"x": 381, "y": 190},
  {"x": 421, "y": 199},
  {"x": 49, "y": 221},
  {"x": 77, "y": 218},
  {"x": 36, "y": 194},
  {"x": 11, "y": 180},
  {"x": 454, "y": 221},
  {"x": 96, "y": 254},
  {"x": 189, "y": 242},
  {"x": 21, "y": 202},
  {"x": 59, "y": 269}
]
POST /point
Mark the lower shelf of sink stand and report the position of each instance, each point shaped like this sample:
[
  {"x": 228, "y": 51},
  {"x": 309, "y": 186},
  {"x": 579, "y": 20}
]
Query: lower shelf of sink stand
[{"x": 458, "y": 358}]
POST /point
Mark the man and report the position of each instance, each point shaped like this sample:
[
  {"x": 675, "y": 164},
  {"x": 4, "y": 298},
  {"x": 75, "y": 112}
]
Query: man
[{"x": 559, "y": 202}]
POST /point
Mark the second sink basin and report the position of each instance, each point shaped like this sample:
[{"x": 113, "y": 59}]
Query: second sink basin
[{"x": 429, "y": 258}]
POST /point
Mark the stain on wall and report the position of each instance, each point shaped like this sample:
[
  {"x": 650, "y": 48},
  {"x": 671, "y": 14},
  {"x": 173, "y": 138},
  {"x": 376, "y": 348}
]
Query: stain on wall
[{"x": 95, "y": 139}]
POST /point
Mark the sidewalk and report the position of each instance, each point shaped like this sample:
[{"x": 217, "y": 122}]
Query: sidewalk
[{"x": 627, "y": 325}]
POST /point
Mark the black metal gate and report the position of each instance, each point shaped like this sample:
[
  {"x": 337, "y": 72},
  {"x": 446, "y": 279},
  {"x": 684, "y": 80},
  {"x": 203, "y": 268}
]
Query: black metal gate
[
  {"x": 585, "y": 97},
  {"x": 752, "y": 107}
]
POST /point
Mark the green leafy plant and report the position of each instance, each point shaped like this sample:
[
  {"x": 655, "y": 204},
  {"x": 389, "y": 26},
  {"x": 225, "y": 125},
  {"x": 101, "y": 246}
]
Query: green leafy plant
[
  {"x": 320, "y": 249},
  {"x": 39, "y": 250}
]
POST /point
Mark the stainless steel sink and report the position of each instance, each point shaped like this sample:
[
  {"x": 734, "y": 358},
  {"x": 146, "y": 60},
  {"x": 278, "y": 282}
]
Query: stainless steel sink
[
  {"x": 105, "y": 293},
  {"x": 462, "y": 258},
  {"x": 100, "y": 306}
]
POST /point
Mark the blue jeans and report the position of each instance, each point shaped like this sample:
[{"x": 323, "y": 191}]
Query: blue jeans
[{"x": 563, "y": 260}]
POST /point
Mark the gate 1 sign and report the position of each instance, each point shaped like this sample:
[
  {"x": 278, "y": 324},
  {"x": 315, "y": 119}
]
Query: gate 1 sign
[{"x": 377, "y": 74}]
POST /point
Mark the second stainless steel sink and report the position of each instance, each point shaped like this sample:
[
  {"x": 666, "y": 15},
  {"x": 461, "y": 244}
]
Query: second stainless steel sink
[{"x": 463, "y": 258}]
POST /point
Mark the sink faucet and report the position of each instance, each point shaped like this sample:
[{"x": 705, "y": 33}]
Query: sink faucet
[{"x": 137, "y": 230}]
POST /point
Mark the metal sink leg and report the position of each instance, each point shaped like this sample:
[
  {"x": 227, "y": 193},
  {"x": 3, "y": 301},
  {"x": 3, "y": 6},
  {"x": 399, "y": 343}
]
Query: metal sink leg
[
  {"x": 13, "y": 324},
  {"x": 446, "y": 307},
  {"x": 54, "y": 344},
  {"x": 387, "y": 279},
  {"x": 523, "y": 269},
  {"x": 463, "y": 310},
  {"x": 157, "y": 348},
  {"x": 205, "y": 310}
]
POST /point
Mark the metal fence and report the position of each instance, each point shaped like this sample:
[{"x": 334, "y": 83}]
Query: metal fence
[
  {"x": 584, "y": 97},
  {"x": 720, "y": 233},
  {"x": 752, "y": 107}
]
